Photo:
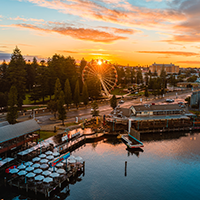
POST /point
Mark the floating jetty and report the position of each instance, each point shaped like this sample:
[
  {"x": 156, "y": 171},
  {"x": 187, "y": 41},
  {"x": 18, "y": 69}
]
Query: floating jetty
[{"x": 131, "y": 142}]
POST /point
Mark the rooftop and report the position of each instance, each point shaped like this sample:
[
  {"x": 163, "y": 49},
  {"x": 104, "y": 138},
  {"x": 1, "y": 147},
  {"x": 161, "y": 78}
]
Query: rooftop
[{"x": 10, "y": 132}]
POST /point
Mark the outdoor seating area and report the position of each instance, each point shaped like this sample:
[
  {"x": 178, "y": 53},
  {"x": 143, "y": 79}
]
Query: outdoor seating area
[{"x": 37, "y": 175}]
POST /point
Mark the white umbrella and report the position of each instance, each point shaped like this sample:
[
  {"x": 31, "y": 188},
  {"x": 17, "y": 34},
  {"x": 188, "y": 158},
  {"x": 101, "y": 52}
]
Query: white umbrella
[
  {"x": 36, "y": 165},
  {"x": 39, "y": 178},
  {"x": 59, "y": 165},
  {"x": 79, "y": 158},
  {"x": 46, "y": 173},
  {"x": 44, "y": 166},
  {"x": 72, "y": 161},
  {"x": 61, "y": 171},
  {"x": 51, "y": 169},
  {"x": 48, "y": 152},
  {"x": 71, "y": 158},
  {"x": 36, "y": 159},
  {"x": 28, "y": 163},
  {"x": 54, "y": 175},
  {"x": 42, "y": 155},
  {"x": 44, "y": 161},
  {"x": 29, "y": 169},
  {"x": 56, "y": 154},
  {"x": 22, "y": 173},
  {"x": 30, "y": 175},
  {"x": 47, "y": 180},
  {"x": 50, "y": 157},
  {"x": 14, "y": 171},
  {"x": 21, "y": 166},
  {"x": 38, "y": 171}
]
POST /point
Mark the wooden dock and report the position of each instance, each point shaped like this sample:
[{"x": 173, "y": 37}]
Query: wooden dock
[{"x": 43, "y": 190}]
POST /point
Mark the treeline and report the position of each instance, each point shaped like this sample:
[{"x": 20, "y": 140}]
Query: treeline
[{"x": 41, "y": 79}]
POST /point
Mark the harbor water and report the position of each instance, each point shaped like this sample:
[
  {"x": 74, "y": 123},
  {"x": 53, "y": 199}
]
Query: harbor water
[{"x": 168, "y": 168}]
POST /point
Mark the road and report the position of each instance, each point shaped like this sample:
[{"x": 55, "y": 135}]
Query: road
[{"x": 48, "y": 118}]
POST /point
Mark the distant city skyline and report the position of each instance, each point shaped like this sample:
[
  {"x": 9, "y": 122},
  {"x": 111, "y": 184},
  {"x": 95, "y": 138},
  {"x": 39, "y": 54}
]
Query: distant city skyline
[{"x": 121, "y": 31}]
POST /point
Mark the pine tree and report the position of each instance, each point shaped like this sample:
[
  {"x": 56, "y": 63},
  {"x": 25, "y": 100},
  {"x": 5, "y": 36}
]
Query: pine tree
[
  {"x": 94, "y": 110},
  {"x": 12, "y": 105},
  {"x": 77, "y": 94},
  {"x": 113, "y": 102},
  {"x": 57, "y": 89},
  {"x": 61, "y": 108},
  {"x": 85, "y": 95},
  {"x": 146, "y": 94},
  {"x": 68, "y": 93},
  {"x": 17, "y": 75}
]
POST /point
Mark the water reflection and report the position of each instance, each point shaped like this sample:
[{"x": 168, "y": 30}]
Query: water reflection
[{"x": 134, "y": 151}]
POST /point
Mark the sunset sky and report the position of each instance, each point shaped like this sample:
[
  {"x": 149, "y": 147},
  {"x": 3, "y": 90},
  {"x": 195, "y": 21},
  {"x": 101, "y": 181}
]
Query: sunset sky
[{"x": 122, "y": 31}]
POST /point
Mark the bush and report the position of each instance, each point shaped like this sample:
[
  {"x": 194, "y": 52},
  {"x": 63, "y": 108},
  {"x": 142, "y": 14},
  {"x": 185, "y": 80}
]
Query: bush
[{"x": 195, "y": 106}]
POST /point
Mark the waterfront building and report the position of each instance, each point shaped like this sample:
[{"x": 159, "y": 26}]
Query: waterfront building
[
  {"x": 17, "y": 135},
  {"x": 195, "y": 99},
  {"x": 169, "y": 68},
  {"x": 149, "y": 110}
]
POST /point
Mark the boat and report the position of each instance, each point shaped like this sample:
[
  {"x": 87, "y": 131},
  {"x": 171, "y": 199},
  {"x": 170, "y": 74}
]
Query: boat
[{"x": 131, "y": 142}]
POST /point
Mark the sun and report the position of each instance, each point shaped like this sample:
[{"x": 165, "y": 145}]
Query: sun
[{"x": 99, "y": 62}]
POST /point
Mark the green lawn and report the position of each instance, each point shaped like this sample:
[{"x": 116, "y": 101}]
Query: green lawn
[
  {"x": 118, "y": 91},
  {"x": 46, "y": 134},
  {"x": 27, "y": 101}
]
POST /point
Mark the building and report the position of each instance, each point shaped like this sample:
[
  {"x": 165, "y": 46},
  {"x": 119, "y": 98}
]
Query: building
[
  {"x": 195, "y": 99},
  {"x": 169, "y": 68},
  {"x": 148, "y": 110},
  {"x": 17, "y": 135}
]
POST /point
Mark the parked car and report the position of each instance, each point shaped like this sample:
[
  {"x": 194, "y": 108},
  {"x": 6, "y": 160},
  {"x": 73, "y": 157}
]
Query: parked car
[
  {"x": 153, "y": 104},
  {"x": 121, "y": 101},
  {"x": 169, "y": 100}
]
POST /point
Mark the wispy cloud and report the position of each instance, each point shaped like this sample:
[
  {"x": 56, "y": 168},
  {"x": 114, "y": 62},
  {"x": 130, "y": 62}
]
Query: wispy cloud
[
  {"x": 77, "y": 33},
  {"x": 176, "y": 53},
  {"x": 26, "y": 20},
  {"x": 120, "y": 12},
  {"x": 192, "y": 62},
  {"x": 65, "y": 51}
]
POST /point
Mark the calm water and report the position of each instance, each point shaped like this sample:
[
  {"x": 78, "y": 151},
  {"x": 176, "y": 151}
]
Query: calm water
[{"x": 168, "y": 168}]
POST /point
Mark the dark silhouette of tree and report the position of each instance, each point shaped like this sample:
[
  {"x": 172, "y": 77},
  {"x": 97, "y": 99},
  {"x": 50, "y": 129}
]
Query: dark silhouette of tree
[
  {"x": 146, "y": 94},
  {"x": 77, "y": 94},
  {"x": 113, "y": 102},
  {"x": 61, "y": 108},
  {"x": 139, "y": 76},
  {"x": 52, "y": 105},
  {"x": 12, "y": 105},
  {"x": 4, "y": 82},
  {"x": 17, "y": 75},
  {"x": 68, "y": 93},
  {"x": 57, "y": 89},
  {"x": 85, "y": 94}
]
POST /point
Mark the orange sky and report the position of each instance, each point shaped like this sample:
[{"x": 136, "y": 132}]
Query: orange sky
[{"x": 122, "y": 31}]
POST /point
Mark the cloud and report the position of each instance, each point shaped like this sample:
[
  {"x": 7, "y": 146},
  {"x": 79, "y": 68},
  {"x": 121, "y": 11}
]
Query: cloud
[
  {"x": 189, "y": 62},
  {"x": 65, "y": 51},
  {"x": 119, "y": 12},
  {"x": 25, "y": 20},
  {"x": 177, "y": 53},
  {"x": 77, "y": 33}
]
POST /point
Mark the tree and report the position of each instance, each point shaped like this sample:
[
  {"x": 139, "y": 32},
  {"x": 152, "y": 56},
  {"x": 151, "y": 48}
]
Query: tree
[
  {"x": 192, "y": 79},
  {"x": 52, "y": 105},
  {"x": 77, "y": 94},
  {"x": 113, "y": 102},
  {"x": 68, "y": 93},
  {"x": 61, "y": 108},
  {"x": 146, "y": 94},
  {"x": 94, "y": 88},
  {"x": 3, "y": 100},
  {"x": 12, "y": 105},
  {"x": 57, "y": 89},
  {"x": 94, "y": 110},
  {"x": 4, "y": 82},
  {"x": 139, "y": 76},
  {"x": 85, "y": 95},
  {"x": 17, "y": 75}
]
